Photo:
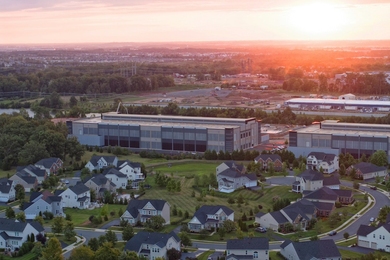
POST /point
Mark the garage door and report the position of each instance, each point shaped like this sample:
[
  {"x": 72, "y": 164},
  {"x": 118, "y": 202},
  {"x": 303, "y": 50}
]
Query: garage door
[
  {"x": 363, "y": 243},
  {"x": 374, "y": 245},
  {"x": 273, "y": 227}
]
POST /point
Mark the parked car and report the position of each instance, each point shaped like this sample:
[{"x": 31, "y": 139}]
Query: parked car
[
  {"x": 372, "y": 219},
  {"x": 261, "y": 229},
  {"x": 332, "y": 233},
  {"x": 373, "y": 187}
]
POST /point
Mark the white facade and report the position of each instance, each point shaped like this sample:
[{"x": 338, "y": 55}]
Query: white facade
[
  {"x": 316, "y": 164},
  {"x": 378, "y": 239},
  {"x": 132, "y": 173},
  {"x": 72, "y": 200},
  {"x": 267, "y": 221},
  {"x": 117, "y": 180},
  {"x": 255, "y": 253},
  {"x": 8, "y": 193},
  {"x": 101, "y": 163}
]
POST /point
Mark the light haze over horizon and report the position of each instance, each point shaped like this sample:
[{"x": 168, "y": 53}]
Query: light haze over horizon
[{"x": 83, "y": 21}]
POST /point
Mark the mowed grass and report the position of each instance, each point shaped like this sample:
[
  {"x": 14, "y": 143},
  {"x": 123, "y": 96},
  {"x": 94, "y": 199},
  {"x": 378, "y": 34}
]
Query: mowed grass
[
  {"x": 187, "y": 168},
  {"x": 28, "y": 256}
]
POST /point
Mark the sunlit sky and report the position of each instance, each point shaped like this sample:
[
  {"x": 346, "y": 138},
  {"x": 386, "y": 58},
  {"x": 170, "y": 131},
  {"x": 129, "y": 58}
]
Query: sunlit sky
[{"x": 79, "y": 21}]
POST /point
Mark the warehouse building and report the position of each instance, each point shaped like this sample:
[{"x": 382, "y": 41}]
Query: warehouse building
[
  {"x": 167, "y": 133},
  {"x": 332, "y": 136}
]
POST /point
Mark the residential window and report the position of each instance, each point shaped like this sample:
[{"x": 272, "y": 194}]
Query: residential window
[
  {"x": 373, "y": 235},
  {"x": 246, "y": 252},
  {"x": 255, "y": 254},
  {"x": 266, "y": 252}
]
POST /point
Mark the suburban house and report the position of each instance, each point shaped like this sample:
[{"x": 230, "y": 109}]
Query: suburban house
[
  {"x": 99, "y": 162},
  {"x": 210, "y": 217},
  {"x": 100, "y": 184},
  {"x": 231, "y": 177},
  {"x": 50, "y": 165},
  {"x": 142, "y": 210},
  {"x": 320, "y": 249},
  {"x": 24, "y": 179},
  {"x": 7, "y": 190},
  {"x": 297, "y": 214},
  {"x": 308, "y": 180},
  {"x": 329, "y": 163},
  {"x": 33, "y": 171},
  {"x": 78, "y": 196},
  {"x": 14, "y": 233},
  {"x": 247, "y": 248},
  {"x": 377, "y": 238},
  {"x": 41, "y": 202},
  {"x": 153, "y": 245},
  {"x": 365, "y": 170},
  {"x": 332, "y": 182},
  {"x": 132, "y": 171},
  {"x": 266, "y": 159},
  {"x": 116, "y": 177},
  {"x": 345, "y": 196}
]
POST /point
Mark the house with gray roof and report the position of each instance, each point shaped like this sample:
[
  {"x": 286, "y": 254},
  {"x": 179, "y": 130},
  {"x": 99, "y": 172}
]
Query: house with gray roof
[
  {"x": 210, "y": 217},
  {"x": 78, "y": 196},
  {"x": 320, "y": 249},
  {"x": 24, "y": 179},
  {"x": 50, "y": 165},
  {"x": 332, "y": 182},
  {"x": 98, "y": 162},
  {"x": 14, "y": 233},
  {"x": 133, "y": 172},
  {"x": 118, "y": 178},
  {"x": 41, "y": 202},
  {"x": 247, "y": 248},
  {"x": 7, "y": 190},
  {"x": 377, "y": 238},
  {"x": 309, "y": 180},
  {"x": 267, "y": 159},
  {"x": 231, "y": 177},
  {"x": 33, "y": 171},
  {"x": 142, "y": 210},
  {"x": 153, "y": 245},
  {"x": 329, "y": 163},
  {"x": 100, "y": 184},
  {"x": 366, "y": 170}
]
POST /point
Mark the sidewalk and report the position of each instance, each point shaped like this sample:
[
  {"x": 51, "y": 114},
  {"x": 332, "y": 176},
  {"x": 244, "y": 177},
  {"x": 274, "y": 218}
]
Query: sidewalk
[{"x": 79, "y": 242}]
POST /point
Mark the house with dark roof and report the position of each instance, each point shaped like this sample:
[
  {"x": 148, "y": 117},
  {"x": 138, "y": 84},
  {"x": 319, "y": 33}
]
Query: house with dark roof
[
  {"x": 24, "y": 179},
  {"x": 297, "y": 214},
  {"x": 332, "y": 182},
  {"x": 133, "y": 172},
  {"x": 100, "y": 184},
  {"x": 98, "y": 162},
  {"x": 267, "y": 159},
  {"x": 50, "y": 165},
  {"x": 7, "y": 190},
  {"x": 14, "y": 233},
  {"x": 41, "y": 202},
  {"x": 142, "y": 210},
  {"x": 329, "y": 163},
  {"x": 210, "y": 217},
  {"x": 119, "y": 179},
  {"x": 377, "y": 238},
  {"x": 153, "y": 245},
  {"x": 308, "y": 180},
  {"x": 366, "y": 170},
  {"x": 320, "y": 249},
  {"x": 231, "y": 176},
  {"x": 33, "y": 171},
  {"x": 78, "y": 196},
  {"x": 247, "y": 248}
]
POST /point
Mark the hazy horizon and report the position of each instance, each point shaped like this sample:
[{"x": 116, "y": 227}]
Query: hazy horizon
[{"x": 157, "y": 21}]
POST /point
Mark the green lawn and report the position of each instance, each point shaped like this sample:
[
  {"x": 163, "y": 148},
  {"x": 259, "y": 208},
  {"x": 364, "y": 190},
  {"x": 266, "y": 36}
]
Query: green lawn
[
  {"x": 346, "y": 254},
  {"x": 205, "y": 255},
  {"x": 274, "y": 256},
  {"x": 187, "y": 169},
  {"x": 28, "y": 256}
]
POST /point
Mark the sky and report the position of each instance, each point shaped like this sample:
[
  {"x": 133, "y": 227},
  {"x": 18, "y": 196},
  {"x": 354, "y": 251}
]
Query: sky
[{"x": 90, "y": 21}]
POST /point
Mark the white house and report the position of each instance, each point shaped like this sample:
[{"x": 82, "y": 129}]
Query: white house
[
  {"x": 377, "y": 238},
  {"x": 100, "y": 162},
  {"x": 33, "y": 171},
  {"x": 132, "y": 171},
  {"x": 41, "y": 202},
  {"x": 153, "y": 245},
  {"x": 319, "y": 249},
  {"x": 366, "y": 171},
  {"x": 231, "y": 176},
  {"x": 116, "y": 177},
  {"x": 7, "y": 190},
  {"x": 78, "y": 196},
  {"x": 14, "y": 233},
  {"x": 329, "y": 163},
  {"x": 142, "y": 210},
  {"x": 247, "y": 248},
  {"x": 208, "y": 217},
  {"x": 309, "y": 180}
]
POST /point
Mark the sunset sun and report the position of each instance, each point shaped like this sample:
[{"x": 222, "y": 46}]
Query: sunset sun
[{"x": 317, "y": 19}]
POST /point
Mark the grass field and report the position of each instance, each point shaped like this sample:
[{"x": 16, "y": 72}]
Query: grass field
[{"x": 28, "y": 256}]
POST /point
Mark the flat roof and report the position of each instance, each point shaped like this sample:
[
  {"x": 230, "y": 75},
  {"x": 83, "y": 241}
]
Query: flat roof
[
  {"x": 98, "y": 120},
  {"x": 315, "y": 129},
  {"x": 346, "y": 102}
]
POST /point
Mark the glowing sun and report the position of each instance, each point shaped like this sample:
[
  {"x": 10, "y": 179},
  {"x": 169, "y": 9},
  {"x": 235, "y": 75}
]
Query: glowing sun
[{"x": 317, "y": 19}]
